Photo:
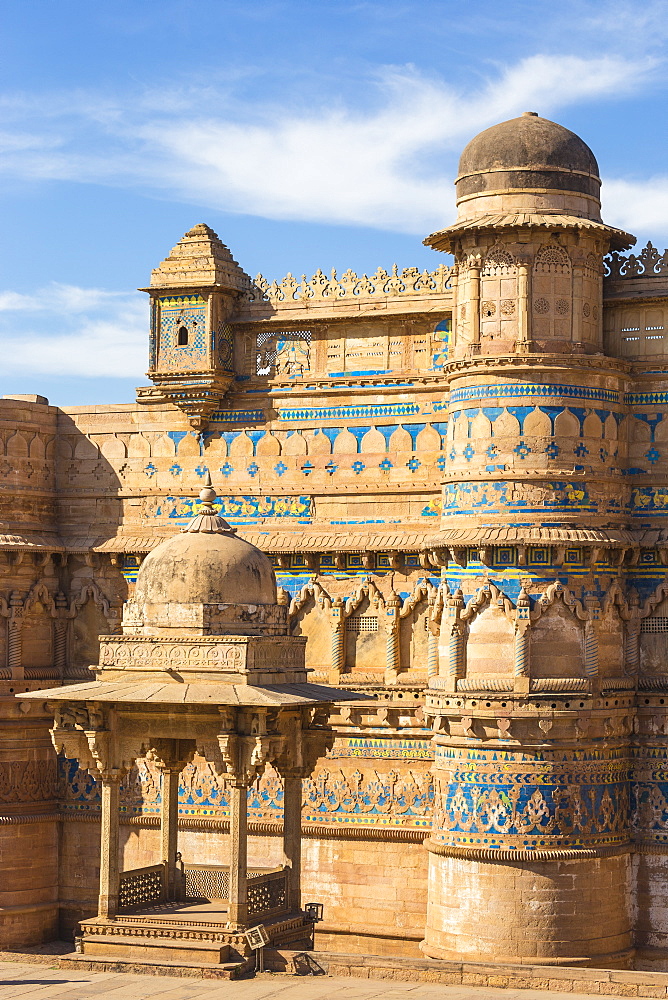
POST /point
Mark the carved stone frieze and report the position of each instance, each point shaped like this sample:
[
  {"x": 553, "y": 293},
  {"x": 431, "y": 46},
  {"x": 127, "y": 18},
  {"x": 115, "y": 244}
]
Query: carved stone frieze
[
  {"x": 28, "y": 781},
  {"x": 134, "y": 652}
]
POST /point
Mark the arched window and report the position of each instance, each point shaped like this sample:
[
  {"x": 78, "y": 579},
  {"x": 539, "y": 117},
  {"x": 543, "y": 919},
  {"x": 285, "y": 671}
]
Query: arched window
[{"x": 183, "y": 336}]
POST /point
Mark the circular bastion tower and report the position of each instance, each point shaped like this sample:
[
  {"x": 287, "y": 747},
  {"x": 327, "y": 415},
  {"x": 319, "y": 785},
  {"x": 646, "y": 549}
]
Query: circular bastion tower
[{"x": 532, "y": 704}]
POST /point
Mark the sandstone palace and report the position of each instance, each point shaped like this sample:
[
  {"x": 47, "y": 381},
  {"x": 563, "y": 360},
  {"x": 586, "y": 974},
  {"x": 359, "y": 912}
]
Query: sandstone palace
[{"x": 445, "y": 671}]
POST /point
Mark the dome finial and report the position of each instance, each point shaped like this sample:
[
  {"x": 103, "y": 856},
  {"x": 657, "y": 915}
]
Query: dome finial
[
  {"x": 207, "y": 494},
  {"x": 206, "y": 519}
]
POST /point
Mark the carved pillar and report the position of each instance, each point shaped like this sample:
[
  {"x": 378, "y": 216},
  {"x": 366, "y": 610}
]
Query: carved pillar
[
  {"x": 169, "y": 820},
  {"x": 60, "y": 635},
  {"x": 171, "y": 756},
  {"x": 392, "y": 624},
  {"x": 433, "y": 629},
  {"x": 14, "y": 634},
  {"x": 523, "y": 299},
  {"x": 591, "y": 638},
  {"x": 632, "y": 647},
  {"x": 576, "y": 312},
  {"x": 454, "y": 285},
  {"x": 292, "y": 834},
  {"x": 109, "y": 869},
  {"x": 238, "y": 912},
  {"x": 474, "y": 305},
  {"x": 318, "y": 358},
  {"x": 338, "y": 626},
  {"x": 454, "y": 630},
  {"x": 522, "y": 641}
]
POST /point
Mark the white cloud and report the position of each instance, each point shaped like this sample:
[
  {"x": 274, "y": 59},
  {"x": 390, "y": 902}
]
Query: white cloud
[
  {"x": 636, "y": 206},
  {"x": 388, "y": 163},
  {"x": 375, "y": 168},
  {"x": 66, "y": 330}
]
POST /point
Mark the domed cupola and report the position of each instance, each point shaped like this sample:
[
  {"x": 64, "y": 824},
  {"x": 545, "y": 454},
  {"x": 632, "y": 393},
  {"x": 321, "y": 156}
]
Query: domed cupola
[
  {"x": 538, "y": 160},
  {"x": 205, "y": 577},
  {"x": 527, "y": 171}
]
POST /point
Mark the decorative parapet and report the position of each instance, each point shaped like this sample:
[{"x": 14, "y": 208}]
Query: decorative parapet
[
  {"x": 649, "y": 263},
  {"x": 350, "y": 286}
]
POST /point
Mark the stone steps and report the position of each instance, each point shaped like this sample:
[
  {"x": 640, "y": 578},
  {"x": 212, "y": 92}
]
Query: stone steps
[{"x": 157, "y": 967}]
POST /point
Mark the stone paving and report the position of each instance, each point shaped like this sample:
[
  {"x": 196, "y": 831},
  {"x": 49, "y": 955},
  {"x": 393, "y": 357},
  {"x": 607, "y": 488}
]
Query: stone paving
[{"x": 38, "y": 982}]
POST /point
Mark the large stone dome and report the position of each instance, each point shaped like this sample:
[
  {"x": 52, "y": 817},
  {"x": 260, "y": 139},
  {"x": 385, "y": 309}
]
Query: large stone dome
[
  {"x": 547, "y": 164},
  {"x": 201, "y": 568}
]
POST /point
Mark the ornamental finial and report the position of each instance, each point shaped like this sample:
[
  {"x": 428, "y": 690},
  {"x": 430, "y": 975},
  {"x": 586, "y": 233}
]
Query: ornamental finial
[{"x": 207, "y": 520}]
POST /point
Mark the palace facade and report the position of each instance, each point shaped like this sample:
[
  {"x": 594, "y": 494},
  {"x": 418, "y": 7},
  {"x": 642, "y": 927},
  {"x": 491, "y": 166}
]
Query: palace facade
[{"x": 460, "y": 476}]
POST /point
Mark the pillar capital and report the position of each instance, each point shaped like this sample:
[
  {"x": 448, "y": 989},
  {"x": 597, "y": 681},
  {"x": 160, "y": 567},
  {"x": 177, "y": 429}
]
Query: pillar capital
[{"x": 172, "y": 754}]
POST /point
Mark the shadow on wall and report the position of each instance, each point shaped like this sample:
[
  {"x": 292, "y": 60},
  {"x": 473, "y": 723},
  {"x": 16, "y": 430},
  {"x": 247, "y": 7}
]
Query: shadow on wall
[{"x": 89, "y": 478}]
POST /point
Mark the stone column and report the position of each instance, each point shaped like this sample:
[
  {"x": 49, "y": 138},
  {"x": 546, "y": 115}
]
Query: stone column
[
  {"x": 522, "y": 642},
  {"x": 14, "y": 637},
  {"x": 591, "y": 664},
  {"x": 632, "y": 646},
  {"x": 523, "y": 300},
  {"x": 454, "y": 285},
  {"x": 452, "y": 640},
  {"x": 292, "y": 835},
  {"x": 238, "y": 912},
  {"x": 109, "y": 869},
  {"x": 432, "y": 648},
  {"x": 576, "y": 312},
  {"x": 169, "y": 825},
  {"x": 474, "y": 306},
  {"x": 338, "y": 639},
  {"x": 392, "y": 625},
  {"x": 60, "y": 645}
]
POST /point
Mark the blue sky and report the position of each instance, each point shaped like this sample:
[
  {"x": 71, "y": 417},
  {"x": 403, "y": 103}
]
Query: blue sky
[{"x": 306, "y": 134}]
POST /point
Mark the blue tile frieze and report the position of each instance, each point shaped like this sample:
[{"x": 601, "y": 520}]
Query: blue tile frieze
[
  {"x": 522, "y": 801},
  {"x": 183, "y": 508},
  {"x": 515, "y": 389}
]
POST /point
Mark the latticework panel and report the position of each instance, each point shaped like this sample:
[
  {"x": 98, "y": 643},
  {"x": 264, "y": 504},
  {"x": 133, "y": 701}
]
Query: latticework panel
[
  {"x": 267, "y": 893},
  {"x": 141, "y": 886},
  {"x": 210, "y": 883},
  {"x": 207, "y": 883}
]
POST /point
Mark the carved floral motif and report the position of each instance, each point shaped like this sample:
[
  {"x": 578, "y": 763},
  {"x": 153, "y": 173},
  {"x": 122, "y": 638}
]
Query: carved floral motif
[{"x": 28, "y": 780}]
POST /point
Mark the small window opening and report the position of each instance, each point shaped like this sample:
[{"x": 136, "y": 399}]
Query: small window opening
[{"x": 183, "y": 336}]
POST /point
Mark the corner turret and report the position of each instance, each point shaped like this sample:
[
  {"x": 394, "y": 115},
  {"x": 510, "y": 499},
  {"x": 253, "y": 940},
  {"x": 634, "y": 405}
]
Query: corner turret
[{"x": 193, "y": 295}]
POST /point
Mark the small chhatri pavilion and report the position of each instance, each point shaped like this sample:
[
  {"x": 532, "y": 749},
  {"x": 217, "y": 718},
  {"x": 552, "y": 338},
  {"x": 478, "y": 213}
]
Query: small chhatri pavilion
[{"x": 205, "y": 665}]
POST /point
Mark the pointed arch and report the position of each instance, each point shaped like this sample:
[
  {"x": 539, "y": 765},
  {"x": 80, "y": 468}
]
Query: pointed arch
[
  {"x": 566, "y": 424},
  {"x": 499, "y": 260},
  {"x": 241, "y": 447},
  {"x": 268, "y": 446},
  {"x": 39, "y": 594},
  {"x": 558, "y": 592},
  {"x": 537, "y": 424},
  {"x": 552, "y": 258},
  {"x": 311, "y": 590},
  {"x": 309, "y": 617},
  {"x": 88, "y": 591}
]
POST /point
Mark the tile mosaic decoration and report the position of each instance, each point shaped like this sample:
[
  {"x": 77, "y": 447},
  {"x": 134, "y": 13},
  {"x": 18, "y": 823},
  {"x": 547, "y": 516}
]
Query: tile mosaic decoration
[
  {"x": 349, "y": 412},
  {"x": 183, "y": 508},
  {"x": 528, "y": 801},
  {"x": 238, "y": 416},
  {"x": 524, "y": 389},
  {"x": 177, "y": 312}
]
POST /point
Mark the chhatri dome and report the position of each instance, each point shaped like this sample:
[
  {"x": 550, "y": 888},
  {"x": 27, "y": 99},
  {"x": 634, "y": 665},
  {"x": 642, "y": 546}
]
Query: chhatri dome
[
  {"x": 207, "y": 563},
  {"x": 530, "y": 153},
  {"x": 527, "y": 171}
]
